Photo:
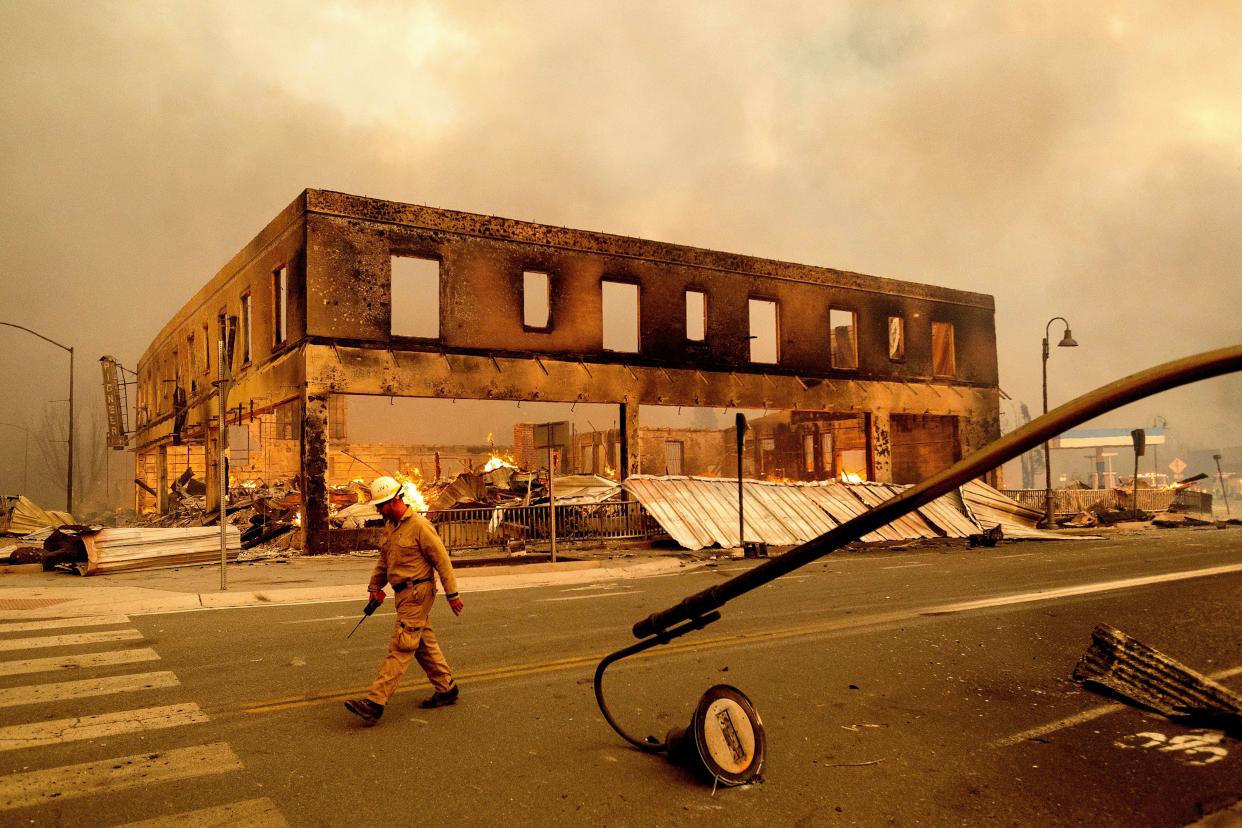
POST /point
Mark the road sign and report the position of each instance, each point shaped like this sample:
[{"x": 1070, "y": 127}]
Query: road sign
[
  {"x": 551, "y": 435},
  {"x": 1177, "y": 467}
]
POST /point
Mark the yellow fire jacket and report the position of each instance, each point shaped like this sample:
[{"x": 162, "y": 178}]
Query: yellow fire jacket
[{"x": 411, "y": 551}]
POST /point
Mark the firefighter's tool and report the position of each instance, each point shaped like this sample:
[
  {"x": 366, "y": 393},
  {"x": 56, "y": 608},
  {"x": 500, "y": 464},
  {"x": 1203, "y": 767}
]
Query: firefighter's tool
[{"x": 371, "y": 607}]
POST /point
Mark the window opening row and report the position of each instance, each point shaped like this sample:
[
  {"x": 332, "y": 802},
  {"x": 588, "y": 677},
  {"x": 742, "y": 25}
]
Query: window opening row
[{"x": 416, "y": 313}]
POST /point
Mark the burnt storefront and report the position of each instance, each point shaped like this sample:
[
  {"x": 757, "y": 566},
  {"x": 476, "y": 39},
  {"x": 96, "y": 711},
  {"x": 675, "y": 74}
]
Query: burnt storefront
[{"x": 343, "y": 294}]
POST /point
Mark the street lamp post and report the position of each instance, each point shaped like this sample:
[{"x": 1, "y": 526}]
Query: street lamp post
[
  {"x": 25, "y": 458},
  {"x": 1067, "y": 341},
  {"x": 1161, "y": 423},
  {"x": 69, "y": 472}
]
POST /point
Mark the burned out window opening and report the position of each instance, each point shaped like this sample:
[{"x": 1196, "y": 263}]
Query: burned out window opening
[
  {"x": 897, "y": 338},
  {"x": 944, "y": 354},
  {"x": 764, "y": 317},
  {"x": 222, "y": 333},
  {"x": 620, "y": 316},
  {"x": 193, "y": 368},
  {"x": 245, "y": 328},
  {"x": 696, "y": 315},
  {"x": 208, "y": 347},
  {"x": 337, "y": 424},
  {"x": 415, "y": 303},
  {"x": 280, "y": 293},
  {"x": 286, "y": 426},
  {"x": 808, "y": 452},
  {"x": 536, "y": 301},
  {"x": 674, "y": 457},
  {"x": 844, "y": 338}
]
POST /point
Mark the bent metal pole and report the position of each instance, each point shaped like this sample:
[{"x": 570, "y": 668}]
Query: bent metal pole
[{"x": 1116, "y": 394}]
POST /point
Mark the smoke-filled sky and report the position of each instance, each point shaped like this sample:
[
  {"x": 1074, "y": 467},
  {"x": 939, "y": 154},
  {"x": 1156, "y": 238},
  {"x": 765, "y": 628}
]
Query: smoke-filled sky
[{"x": 1081, "y": 160}]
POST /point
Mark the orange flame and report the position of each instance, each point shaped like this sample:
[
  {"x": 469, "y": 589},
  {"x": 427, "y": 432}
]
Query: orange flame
[
  {"x": 497, "y": 461},
  {"x": 410, "y": 491}
]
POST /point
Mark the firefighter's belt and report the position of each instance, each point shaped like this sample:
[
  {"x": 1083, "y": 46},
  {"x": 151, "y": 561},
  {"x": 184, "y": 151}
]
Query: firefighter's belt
[{"x": 400, "y": 586}]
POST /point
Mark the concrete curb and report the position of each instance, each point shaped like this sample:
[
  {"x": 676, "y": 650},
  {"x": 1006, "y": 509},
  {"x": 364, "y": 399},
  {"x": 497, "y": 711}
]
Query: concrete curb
[{"x": 96, "y": 598}]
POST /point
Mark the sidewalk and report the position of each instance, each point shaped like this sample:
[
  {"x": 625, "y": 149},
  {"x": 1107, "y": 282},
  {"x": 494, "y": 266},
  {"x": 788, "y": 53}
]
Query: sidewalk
[{"x": 26, "y": 592}]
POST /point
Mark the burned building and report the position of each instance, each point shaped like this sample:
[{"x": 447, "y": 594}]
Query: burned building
[{"x": 343, "y": 294}]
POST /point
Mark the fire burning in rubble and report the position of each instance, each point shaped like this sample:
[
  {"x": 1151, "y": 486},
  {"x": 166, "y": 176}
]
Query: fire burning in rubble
[
  {"x": 497, "y": 461},
  {"x": 410, "y": 490}
]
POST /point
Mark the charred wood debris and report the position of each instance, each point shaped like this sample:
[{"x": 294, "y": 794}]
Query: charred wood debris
[{"x": 263, "y": 511}]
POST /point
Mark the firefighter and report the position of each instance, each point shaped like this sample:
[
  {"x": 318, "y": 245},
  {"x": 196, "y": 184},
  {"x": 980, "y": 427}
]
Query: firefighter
[{"x": 409, "y": 555}]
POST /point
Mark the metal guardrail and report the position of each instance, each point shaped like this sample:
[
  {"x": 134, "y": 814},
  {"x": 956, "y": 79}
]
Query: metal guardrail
[{"x": 500, "y": 526}]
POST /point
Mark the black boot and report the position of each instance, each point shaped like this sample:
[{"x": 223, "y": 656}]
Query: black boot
[
  {"x": 438, "y": 699},
  {"x": 368, "y": 710}
]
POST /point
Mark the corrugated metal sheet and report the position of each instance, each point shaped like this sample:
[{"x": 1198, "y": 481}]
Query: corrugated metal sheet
[
  {"x": 989, "y": 507},
  {"x": 948, "y": 514},
  {"x": 125, "y": 550},
  {"x": 698, "y": 512},
  {"x": 910, "y": 525},
  {"x": 583, "y": 488},
  {"x": 22, "y": 516}
]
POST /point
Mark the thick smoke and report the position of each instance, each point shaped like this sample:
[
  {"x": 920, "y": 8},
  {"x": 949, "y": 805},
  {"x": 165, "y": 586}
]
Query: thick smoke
[{"x": 1069, "y": 160}]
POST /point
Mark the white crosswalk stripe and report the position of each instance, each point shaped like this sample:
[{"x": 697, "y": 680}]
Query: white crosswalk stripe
[
  {"x": 24, "y": 790},
  {"x": 10, "y": 644},
  {"x": 85, "y": 688},
  {"x": 77, "y": 662},
  {"x": 42, "y": 787},
  {"x": 72, "y": 623},
  {"x": 252, "y": 813},
  {"x": 41, "y": 734}
]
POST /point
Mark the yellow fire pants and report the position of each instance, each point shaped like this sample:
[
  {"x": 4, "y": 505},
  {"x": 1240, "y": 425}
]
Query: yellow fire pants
[{"x": 412, "y": 637}]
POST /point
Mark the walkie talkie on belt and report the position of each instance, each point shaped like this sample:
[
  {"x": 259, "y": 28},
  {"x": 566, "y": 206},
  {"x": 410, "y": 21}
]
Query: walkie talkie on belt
[{"x": 371, "y": 607}]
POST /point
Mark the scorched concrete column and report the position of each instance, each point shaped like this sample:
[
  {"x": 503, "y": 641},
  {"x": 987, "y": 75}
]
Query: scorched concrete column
[
  {"x": 161, "y": 480},
  {"x": 314, "y": 473},
  {"x": 631, "y": 441},
  {"x": 881, "y": 447}
]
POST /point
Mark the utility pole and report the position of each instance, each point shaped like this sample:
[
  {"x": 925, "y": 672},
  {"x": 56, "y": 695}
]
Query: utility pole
[
  {"x": 69, "y": 470},
  {"x": 1221, "y": 477}
]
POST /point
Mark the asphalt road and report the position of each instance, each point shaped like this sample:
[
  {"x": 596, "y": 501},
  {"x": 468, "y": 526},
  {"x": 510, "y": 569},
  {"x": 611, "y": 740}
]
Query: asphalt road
[{"x": 912, "y": 687}]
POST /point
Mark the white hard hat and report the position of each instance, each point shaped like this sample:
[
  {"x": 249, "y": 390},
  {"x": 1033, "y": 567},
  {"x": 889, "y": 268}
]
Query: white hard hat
[{"x": 383, "y": 489}]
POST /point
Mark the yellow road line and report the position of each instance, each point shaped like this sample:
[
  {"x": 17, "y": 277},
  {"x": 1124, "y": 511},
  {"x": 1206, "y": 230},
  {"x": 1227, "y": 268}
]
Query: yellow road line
[
  {"x": 577, "y": 662},
  {"x": 816, "y": 628},
  {"x": 25, "y": 790}
]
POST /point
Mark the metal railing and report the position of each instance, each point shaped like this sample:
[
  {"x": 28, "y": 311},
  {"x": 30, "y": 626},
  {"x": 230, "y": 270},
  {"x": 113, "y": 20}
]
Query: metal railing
[
  {"x": 501, "y": 526},
  {"x": 1074, "y": 501}
]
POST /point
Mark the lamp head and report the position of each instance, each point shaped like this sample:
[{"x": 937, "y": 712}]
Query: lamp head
[
  {"x": 1067, "y": 341},
  {"x": 724, "y": 741}
]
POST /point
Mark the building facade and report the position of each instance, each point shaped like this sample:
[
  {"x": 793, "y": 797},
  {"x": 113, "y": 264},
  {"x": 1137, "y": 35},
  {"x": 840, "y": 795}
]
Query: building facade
[{"x": 344, "y": 294}]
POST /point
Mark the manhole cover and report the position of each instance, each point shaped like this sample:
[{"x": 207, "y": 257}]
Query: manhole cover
[{"x": 29, "y": 603}]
